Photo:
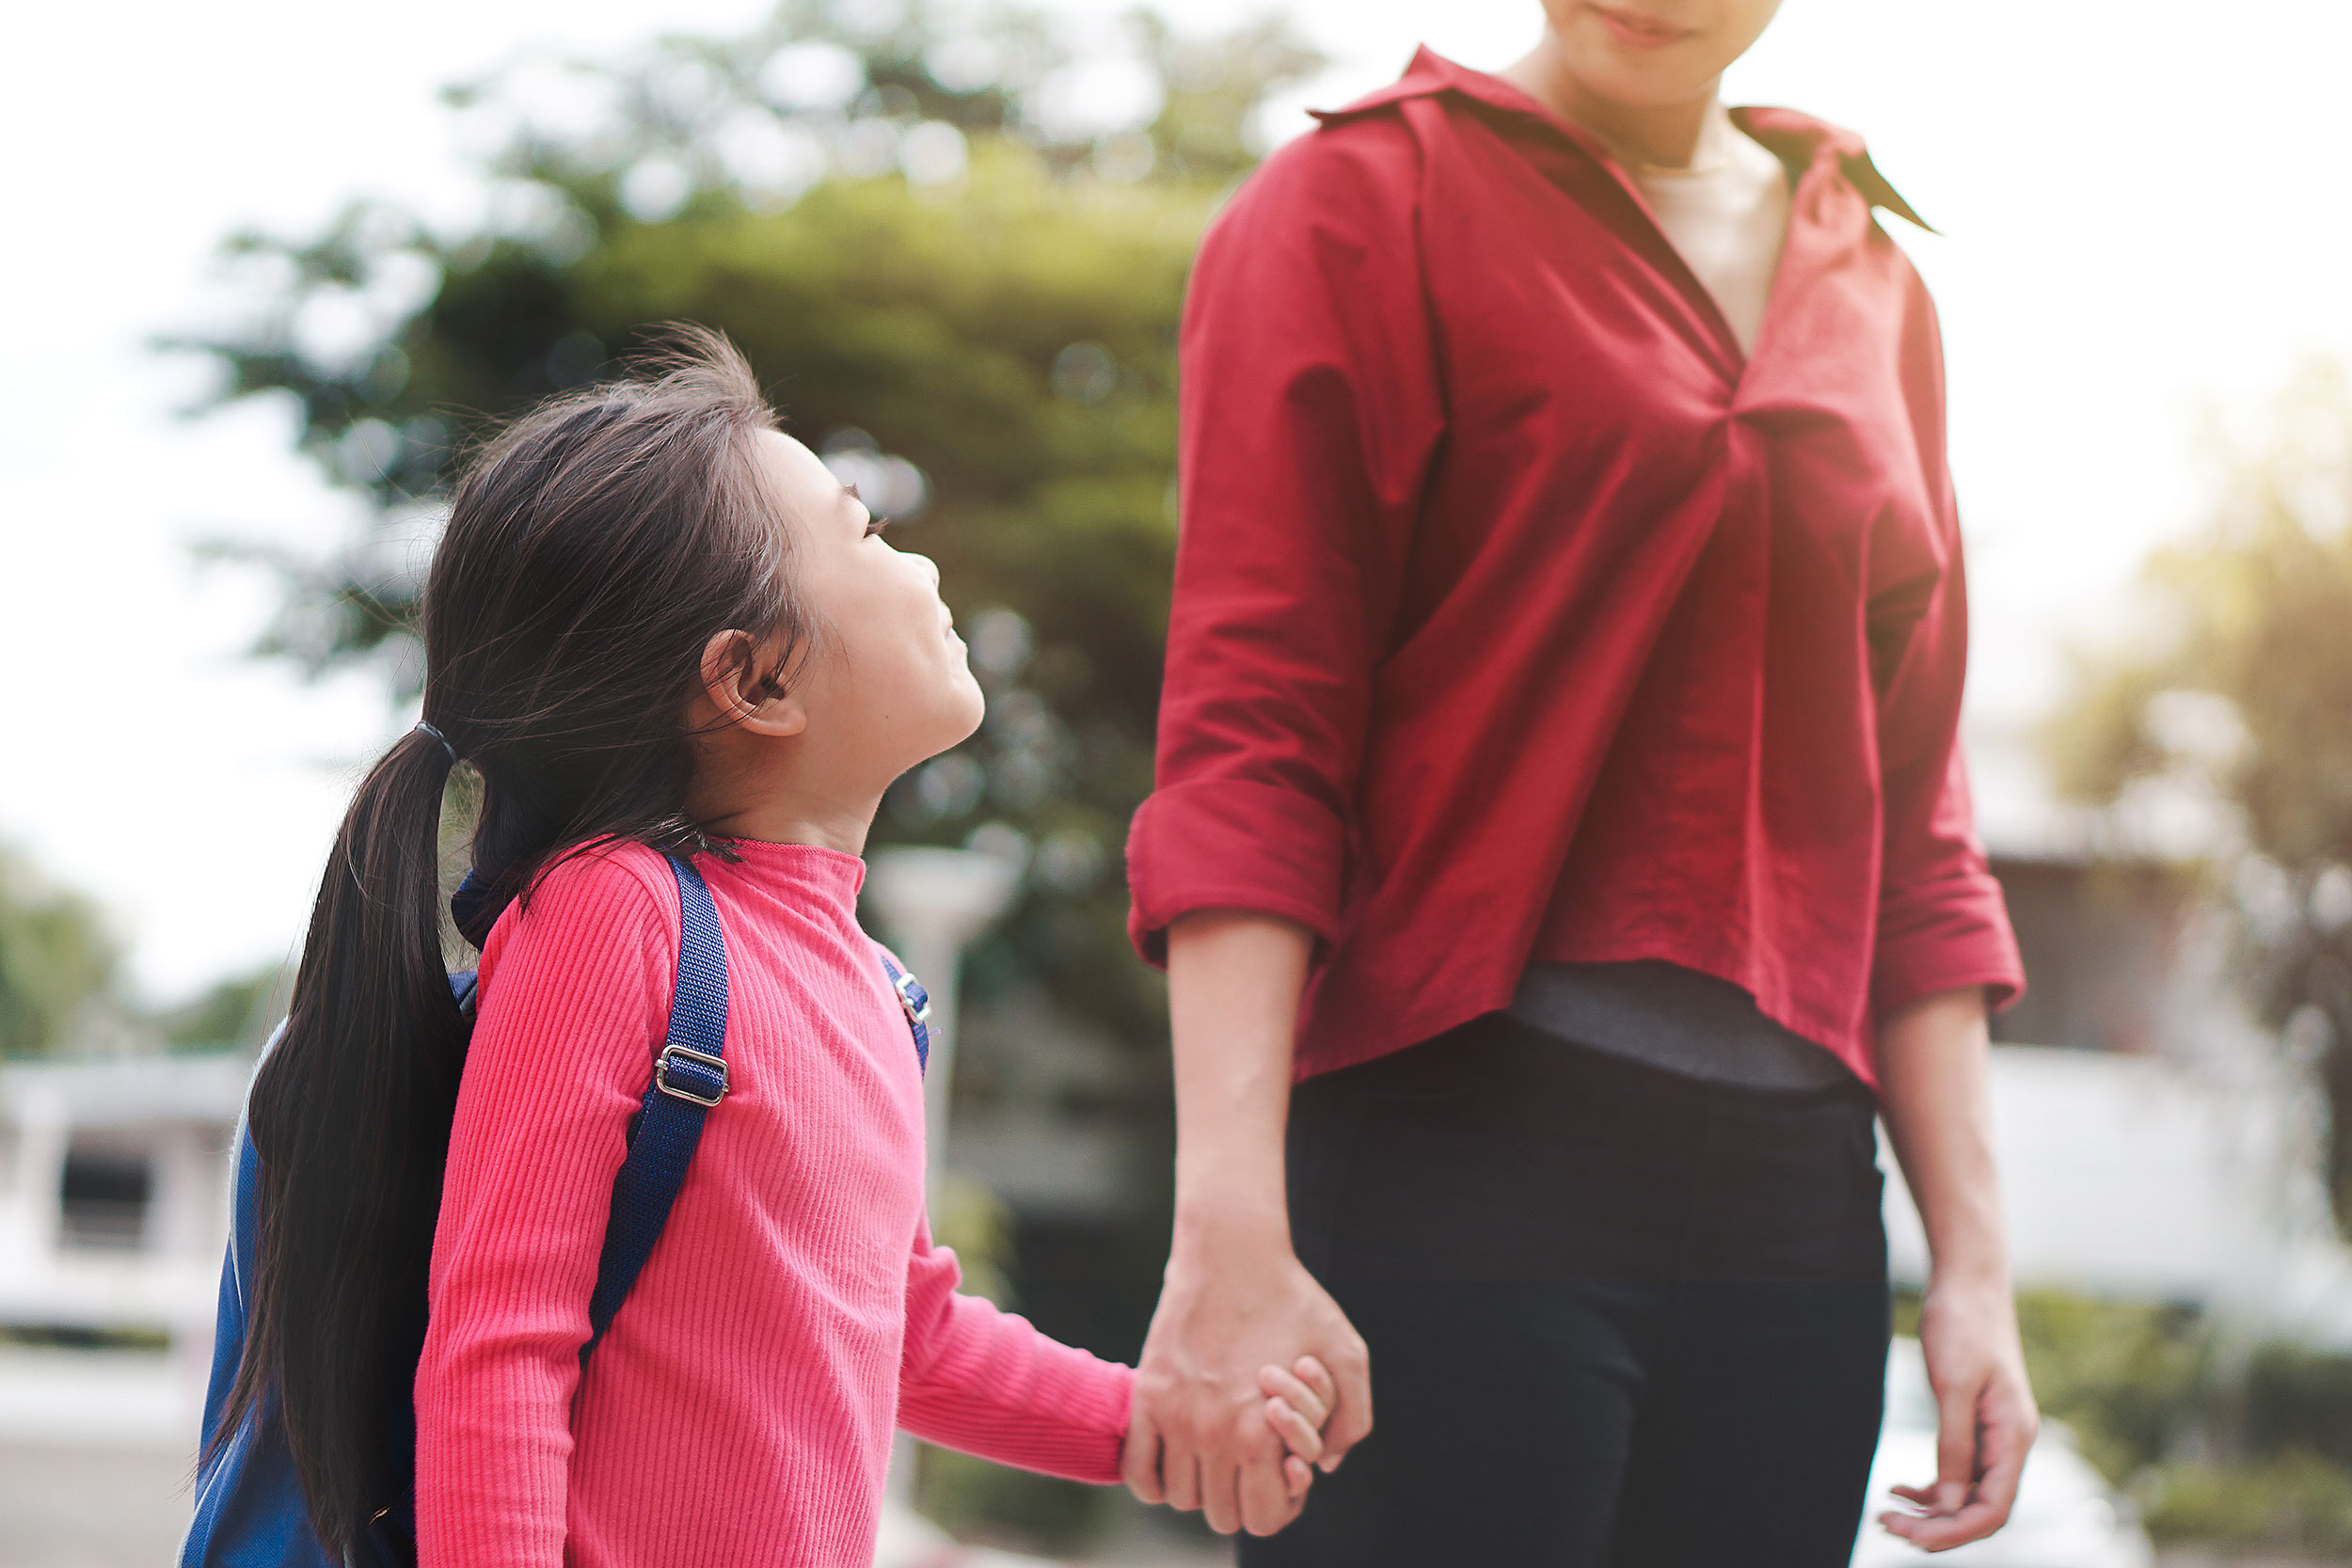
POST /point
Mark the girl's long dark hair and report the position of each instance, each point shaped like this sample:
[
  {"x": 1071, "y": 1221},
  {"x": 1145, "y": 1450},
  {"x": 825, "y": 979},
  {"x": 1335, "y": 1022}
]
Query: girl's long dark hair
[{"x": 591, "y": 552}]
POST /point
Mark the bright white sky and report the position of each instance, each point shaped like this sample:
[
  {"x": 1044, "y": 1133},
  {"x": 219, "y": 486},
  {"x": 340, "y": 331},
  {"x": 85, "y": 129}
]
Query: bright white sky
[{"x": 2146, "y": 215}]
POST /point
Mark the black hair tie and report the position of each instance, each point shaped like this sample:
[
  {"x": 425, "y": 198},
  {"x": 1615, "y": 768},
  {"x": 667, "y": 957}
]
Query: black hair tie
[{"x": 424, "y": 728}]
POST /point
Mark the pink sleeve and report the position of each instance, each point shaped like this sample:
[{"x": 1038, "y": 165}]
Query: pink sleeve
[
  {"x": 985, "y": 1382},
  {"x": 577, "y": 989}
]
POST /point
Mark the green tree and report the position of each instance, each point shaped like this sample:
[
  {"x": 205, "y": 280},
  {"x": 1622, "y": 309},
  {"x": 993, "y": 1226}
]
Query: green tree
[
  {"x": 2240, "y": 696},
  {"x": 239, "y": 1012},
  {"x": 57, "y": 961},
  {"x": 959, "y": 298}
]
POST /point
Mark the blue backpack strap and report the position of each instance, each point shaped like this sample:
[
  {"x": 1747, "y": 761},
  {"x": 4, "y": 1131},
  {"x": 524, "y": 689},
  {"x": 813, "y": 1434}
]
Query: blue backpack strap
[
  {"x": 689, "y": 1076},
  {"x": 917, "y": 1004}
]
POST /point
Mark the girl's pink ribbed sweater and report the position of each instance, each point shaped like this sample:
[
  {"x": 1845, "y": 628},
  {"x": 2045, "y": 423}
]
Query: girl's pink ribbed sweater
[{"x": 740, "y": 1409}]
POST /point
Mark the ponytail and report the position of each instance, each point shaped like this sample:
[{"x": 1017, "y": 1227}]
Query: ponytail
[{"x": 351, "y": 1113}]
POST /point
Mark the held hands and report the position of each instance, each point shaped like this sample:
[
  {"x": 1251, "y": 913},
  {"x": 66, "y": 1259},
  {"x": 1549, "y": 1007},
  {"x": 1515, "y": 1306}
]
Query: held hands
[
  {"x": 1297, "y": 1405},
  {"x": 1204, "y": 1432},
  {"x": 1986, "y": 1418}
]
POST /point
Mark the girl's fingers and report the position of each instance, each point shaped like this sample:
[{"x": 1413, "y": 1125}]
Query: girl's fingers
[
  {"x": 1297, "y": 1476},
  {"x": 1314, "y": 1375},
  {"x": 1297, "y": 1433},
  {"x": 1275, "y": 1382}
]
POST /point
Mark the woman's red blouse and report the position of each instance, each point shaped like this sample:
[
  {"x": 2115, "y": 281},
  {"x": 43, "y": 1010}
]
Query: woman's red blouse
[{"x": 1519, "y": 616}]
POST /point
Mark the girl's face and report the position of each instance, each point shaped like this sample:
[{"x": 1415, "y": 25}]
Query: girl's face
[
  {"x": 1654, "y": 53},
  {"x": 887, "y": 684}
]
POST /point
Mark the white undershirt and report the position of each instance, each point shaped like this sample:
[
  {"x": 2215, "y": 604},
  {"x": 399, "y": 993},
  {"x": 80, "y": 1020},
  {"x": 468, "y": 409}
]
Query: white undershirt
[{"x": 1726, "y": 216}]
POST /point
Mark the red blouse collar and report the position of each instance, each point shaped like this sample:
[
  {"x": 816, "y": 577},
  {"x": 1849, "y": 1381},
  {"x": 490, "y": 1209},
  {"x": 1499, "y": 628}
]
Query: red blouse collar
[{"x": 1798, "y": 137}]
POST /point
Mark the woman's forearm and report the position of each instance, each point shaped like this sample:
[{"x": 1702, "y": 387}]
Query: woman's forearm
[
  {"x": 1934, "y": 1092},
  {"x": 1934, "y": 1065},
  {"x": 1235, "y": 978},
  {"x": 1235, "y": 1299}
]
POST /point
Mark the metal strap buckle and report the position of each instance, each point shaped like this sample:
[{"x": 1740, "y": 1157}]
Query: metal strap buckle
[
  {"x": 688, "y": 1090},
  {"x": 909, "y": 989}
]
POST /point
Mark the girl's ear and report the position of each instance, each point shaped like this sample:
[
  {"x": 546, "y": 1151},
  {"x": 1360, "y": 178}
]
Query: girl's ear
[{"x": 743, "y": 697}]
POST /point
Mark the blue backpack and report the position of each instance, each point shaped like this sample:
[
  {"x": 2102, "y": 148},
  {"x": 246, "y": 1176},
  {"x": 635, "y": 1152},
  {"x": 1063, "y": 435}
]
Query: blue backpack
[{"x": 250, "y": 1509}]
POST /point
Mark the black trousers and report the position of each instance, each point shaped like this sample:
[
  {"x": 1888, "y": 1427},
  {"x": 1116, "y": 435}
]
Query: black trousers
[{"x": 1617, "y": 1316}]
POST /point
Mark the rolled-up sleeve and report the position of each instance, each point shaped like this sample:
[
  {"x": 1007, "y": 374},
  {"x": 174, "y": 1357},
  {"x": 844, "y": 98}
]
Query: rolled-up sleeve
[
  {"x": 1942, "y": 923},
  {"x": 1309, "y": 412}
]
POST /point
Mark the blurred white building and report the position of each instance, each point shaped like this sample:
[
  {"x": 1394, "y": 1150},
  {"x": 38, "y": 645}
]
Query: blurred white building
[
  {"x": 114, "y": 1179},
  {"x": 2154, "y": 1144}
]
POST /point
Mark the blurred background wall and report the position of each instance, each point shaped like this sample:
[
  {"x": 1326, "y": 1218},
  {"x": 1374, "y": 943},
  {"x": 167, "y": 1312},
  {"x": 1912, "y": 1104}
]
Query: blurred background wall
[{"x": 271, "y": 266}]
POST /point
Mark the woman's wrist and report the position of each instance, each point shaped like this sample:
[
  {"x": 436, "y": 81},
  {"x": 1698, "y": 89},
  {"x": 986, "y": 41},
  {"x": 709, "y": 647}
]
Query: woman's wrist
[
  {"x": 1971, "y": 1277},
  {"x": 1228, "y": 1222},
  {"x": 1967, "y": 1243}
]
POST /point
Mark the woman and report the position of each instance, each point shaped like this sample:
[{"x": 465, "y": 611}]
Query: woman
[{"x": 1558, "y": 781}]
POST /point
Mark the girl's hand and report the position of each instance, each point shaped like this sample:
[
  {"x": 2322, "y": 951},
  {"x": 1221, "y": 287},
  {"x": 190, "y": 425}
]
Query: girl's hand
[{"x": 1298, "y": 1402}]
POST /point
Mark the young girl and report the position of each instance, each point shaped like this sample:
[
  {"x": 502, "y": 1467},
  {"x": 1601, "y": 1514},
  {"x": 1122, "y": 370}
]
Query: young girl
[{"x": 654, "y": 624}]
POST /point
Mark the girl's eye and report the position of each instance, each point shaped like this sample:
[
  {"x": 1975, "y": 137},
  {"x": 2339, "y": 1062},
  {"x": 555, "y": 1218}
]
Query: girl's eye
[{"x": 875, "y": 524}]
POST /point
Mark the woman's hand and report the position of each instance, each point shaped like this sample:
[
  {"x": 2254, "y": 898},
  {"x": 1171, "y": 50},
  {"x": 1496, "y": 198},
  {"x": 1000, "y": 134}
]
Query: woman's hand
[
  {"x": 1297, "y": 1401},
  {"x": 1202, "y": 1434},
  {"x": 1934, "y": 1093},
  {"x": 1986, "y": 1419}
]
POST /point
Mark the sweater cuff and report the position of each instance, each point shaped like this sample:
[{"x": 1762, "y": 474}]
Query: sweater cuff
[
  {"x": 1072, "y": 1423},
  {"x": 1231, "y": 844},
  {"x": 1949, "y": 935}
]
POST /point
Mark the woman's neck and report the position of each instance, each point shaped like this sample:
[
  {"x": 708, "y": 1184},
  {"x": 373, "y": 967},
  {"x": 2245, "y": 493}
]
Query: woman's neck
[{"x": 1666, "y": 137}]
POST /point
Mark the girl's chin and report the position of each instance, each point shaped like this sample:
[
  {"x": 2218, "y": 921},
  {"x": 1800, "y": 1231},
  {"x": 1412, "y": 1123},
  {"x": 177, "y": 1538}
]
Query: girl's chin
[{"x": 965, "y": 699}]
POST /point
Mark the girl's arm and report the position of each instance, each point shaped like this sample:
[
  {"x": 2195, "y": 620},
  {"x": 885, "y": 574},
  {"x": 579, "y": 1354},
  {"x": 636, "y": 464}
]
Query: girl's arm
[
  {"x": 1932, "y": 1090},
  {"x": 578, "y": 990},
  {"x": 986, "y": 1383}
]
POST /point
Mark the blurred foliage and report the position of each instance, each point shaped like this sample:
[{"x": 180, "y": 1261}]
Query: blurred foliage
[
  {"x": 1017, "y": 1509},
  {"x": 2131, "y": 1380},
  {"x": 2298, "y": 1402},
  {"x": 63, "y": 989},
  {"x": 239, "y": 1012},
  {"x": 2295, "y": 1502},
  {"x": 58, "y": 959},
  {"x": 2284, "y": 1479},
  {"x": 979, "y": 1225},
  {"x": 960, "y": 291},
  {"x": 2238, "y": 697}
]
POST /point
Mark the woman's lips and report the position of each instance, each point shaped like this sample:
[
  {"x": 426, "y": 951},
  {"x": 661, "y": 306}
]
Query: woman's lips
[{"x": 1637, "y": 31}]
